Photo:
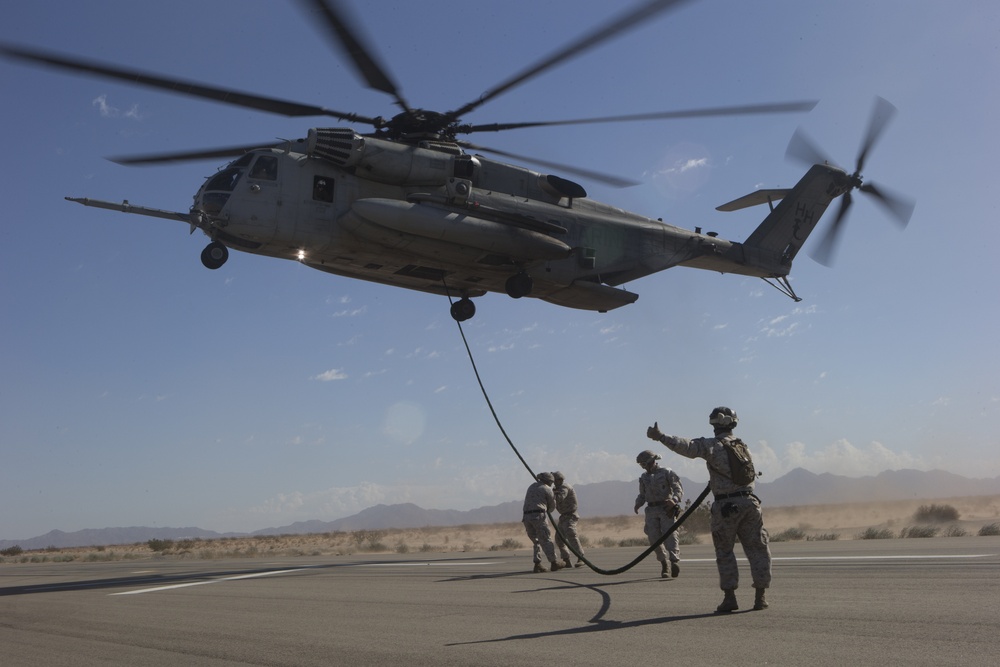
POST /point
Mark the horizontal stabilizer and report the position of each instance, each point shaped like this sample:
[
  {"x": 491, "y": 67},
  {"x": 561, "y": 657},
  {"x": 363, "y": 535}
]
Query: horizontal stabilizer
[{"x": 755, "y": 198}]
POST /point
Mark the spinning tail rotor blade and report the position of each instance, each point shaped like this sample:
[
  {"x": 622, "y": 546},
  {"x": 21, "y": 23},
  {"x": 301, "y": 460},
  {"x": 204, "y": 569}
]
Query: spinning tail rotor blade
[
  {"x": 899, "y": 208},
  {"x": 802, "y": 148},
  {"x": 825, "y": 251},
  {"x": 882, "y": 113}
]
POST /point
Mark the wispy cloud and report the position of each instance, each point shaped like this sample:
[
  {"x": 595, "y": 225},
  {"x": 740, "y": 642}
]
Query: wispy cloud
[
  {"x": 108, "y": 110},
  {"x": 350, "y": 312},
  {"x": 331, "y": 375},
  {"x": 839, "y": 457}
]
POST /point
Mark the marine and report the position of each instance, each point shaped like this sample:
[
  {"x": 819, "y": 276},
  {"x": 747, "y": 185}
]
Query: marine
[
  {"x": 661, "y": 492},
  {"x": 736, "y": 513},
  {"x": 567, "y": 506},
  {"x": 539, "y": 500}
]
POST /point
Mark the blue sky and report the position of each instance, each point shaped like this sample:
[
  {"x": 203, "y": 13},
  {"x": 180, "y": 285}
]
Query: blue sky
[{"x": 139, "y": 388}]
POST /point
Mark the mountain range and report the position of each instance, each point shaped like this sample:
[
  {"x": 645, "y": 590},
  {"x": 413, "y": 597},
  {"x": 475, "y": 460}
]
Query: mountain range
[{"x": 613, "y": 498}]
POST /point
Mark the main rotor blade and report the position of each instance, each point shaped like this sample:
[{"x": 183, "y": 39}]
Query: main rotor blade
[
  {"x": 882, "y": 113},
  {"x": 597, "y": 176},
  {"x": 828, "y": 244},
  {"x": 348, "y": 38},
  {"x": 899, "y": 208},
  {"x": 802, "y": 148},
  {"x": 185, "y": 156},
  {"x": 746, "y": 109},
  {"x": 589, "y": 41},
  {"x": 214, "y": 93}
]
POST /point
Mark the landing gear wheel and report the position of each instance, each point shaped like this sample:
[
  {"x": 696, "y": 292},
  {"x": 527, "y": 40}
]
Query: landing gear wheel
[
  {"x": 519, "y": 285},
  {"x": 214, "y": 255},
  {"x": 463, "y": 309}
]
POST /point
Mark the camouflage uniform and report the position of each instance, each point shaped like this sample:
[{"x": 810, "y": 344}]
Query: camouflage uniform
[
  {"x": 736, "y": 513},
  {"x": 537, "y": 501},
  {"x": 656, "y": 488},
  {"x": 567, "y": 506}
]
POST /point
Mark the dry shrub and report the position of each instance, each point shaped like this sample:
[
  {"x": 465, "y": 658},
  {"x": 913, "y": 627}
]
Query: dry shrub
[{"x": 935, "y": 514}]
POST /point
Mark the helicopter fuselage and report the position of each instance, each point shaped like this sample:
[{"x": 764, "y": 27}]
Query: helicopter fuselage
[{"x": 435, "y": 219}]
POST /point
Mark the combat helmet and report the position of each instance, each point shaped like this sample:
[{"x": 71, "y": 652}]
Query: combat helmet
[
  {"x": 646, "y": 457},
  {"x": 723, "y": 418},
  {"x": 545, "y": 478},
  {"x": 558, "y": 476}
]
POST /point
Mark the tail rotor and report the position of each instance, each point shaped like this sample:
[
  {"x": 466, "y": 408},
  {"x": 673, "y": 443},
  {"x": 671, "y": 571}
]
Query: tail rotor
[{"x": 899, "y": 208}]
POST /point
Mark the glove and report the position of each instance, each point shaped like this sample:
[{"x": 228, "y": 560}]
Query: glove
[{"x": 653, "y": 432}]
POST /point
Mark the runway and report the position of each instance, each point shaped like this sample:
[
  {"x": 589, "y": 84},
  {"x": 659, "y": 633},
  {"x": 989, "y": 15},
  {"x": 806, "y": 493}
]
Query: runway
[{"x": 929, "y": 601}]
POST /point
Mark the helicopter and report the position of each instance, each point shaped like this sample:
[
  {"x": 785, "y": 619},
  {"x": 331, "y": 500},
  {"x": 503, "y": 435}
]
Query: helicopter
[{"x": 412, "y": 204}]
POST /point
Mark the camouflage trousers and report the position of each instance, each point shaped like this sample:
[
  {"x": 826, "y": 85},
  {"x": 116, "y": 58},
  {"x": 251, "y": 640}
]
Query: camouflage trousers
[
  {"x": 567, "y": 529},
  {"x": 537, "y": 528},
  {"x": 740, "y": 519},
  {"x": 658, "y": 522}
]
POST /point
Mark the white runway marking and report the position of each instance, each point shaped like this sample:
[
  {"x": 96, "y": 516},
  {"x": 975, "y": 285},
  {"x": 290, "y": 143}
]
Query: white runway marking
[
  {"x": 155, "y": 589},
  {"x": 424, "y": 563},
  {"x": 899, "y": 557}
]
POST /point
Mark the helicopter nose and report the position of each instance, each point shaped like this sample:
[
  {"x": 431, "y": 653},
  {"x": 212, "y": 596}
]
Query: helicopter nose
[{"x": 211, "y": 203}]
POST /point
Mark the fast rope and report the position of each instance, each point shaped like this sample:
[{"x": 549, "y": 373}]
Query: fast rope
[{"x": 677, "y": 523}]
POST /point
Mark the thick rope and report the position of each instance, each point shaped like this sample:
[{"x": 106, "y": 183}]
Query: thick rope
[{"x": 555, "y": 525}]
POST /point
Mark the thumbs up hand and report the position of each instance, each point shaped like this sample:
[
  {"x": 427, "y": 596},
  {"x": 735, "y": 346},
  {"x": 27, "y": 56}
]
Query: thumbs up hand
[{"x": 653, "y": 432}]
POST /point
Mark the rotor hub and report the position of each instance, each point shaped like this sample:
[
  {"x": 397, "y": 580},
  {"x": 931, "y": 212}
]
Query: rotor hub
[{"x": 419, "y": 124}]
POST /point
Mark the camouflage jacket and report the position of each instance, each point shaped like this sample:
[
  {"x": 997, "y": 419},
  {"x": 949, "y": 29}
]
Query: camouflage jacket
[
  {"x": 566, "y": 499},
  {"x": 539, "y": 497},
  {"x": 659, "y": 485}
]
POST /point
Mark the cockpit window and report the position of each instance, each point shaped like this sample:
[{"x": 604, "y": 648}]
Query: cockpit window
[
  {"x": 244, "y": 161},
  {"x": 323, "y": 188},
  {"x": 225, "y": 180},
  {"x": 265, "y": 168}
]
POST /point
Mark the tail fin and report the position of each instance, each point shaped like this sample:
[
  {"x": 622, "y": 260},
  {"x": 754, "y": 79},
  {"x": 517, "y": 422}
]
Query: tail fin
[{"x": 789, "y": 224}]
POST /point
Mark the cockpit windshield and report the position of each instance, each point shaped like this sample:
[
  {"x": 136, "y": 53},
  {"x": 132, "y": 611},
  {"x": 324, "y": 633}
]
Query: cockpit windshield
[
  {"x": 225, "y": 180},
  {"x": 244, "y": 161},
  {"x": 265, "y": 168}
]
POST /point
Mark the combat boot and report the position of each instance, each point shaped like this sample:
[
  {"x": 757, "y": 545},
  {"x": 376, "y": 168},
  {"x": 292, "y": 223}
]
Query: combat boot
[
  {"x": 540, "y": 568},
  {"x": 664, "y": 571},
  {"x": 675, "y": 568},
  {"x": 556, "y": 566},
  {"x": 566, "y": 563},
  {"x": 728, "y": 602},
  {"x": 579, "y": 563},
  {"x": 759, "y": 602}
]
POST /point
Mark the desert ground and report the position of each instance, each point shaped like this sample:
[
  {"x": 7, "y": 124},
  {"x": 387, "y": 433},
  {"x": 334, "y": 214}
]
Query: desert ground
[{"x": 896, "y": 519}]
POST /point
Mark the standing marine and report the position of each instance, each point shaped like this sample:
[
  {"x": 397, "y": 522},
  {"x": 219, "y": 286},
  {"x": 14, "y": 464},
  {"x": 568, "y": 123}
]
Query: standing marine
[
  {"x": 567, "y": 507},
  {"x": 538, "y": 501},
  {"x": 661, "y": 492},
  {"x": 736, "y": 513}
]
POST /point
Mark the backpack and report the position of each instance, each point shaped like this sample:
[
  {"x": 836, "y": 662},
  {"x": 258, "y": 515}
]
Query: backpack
[{"x": 741, "y": 470}]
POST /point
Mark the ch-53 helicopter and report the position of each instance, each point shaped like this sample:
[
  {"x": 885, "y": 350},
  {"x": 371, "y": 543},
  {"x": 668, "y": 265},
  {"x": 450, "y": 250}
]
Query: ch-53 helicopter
[{"x": 412, "y": 205}]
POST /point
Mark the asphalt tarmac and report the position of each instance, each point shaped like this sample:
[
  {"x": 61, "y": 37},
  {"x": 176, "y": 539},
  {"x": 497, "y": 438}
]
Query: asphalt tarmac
[{"x": 932, "y": 601}]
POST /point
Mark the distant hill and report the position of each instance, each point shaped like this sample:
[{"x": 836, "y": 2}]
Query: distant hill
[
  {"x": 109, "y": 536},
  {"x": 798, "y": 487}
]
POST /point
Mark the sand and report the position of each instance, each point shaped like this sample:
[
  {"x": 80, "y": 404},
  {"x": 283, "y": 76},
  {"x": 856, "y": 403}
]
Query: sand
[{"x": 841, "y": 521}]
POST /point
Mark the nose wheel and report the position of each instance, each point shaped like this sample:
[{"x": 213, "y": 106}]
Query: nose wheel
[
  {"x": 214, "y": 255},
  {"x": 463, "y": 309}
]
